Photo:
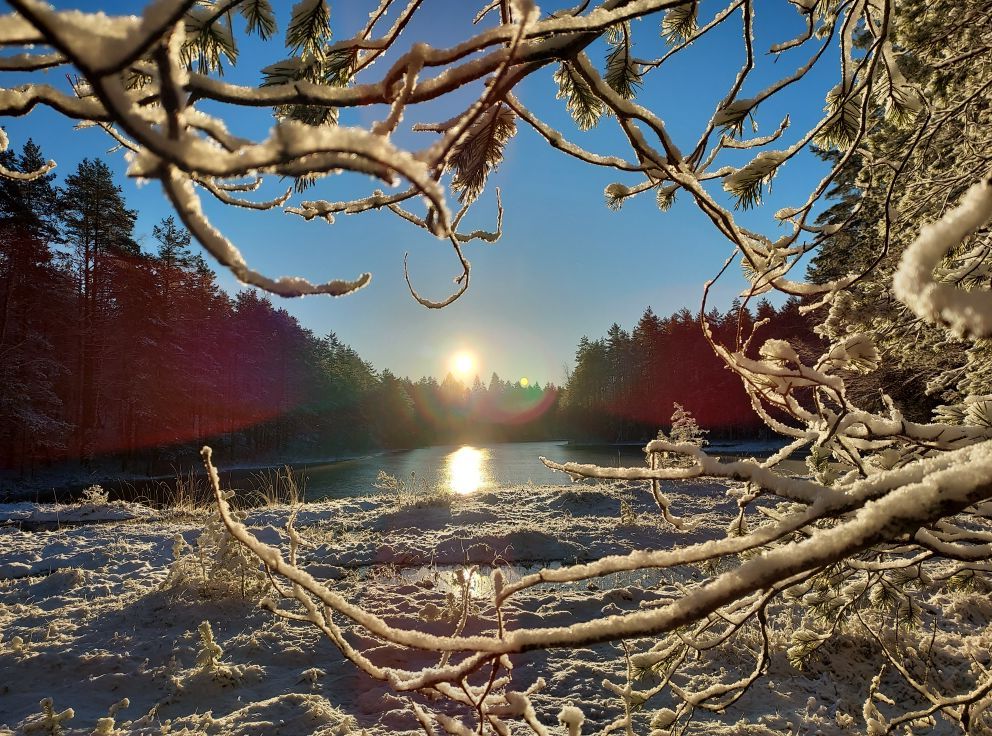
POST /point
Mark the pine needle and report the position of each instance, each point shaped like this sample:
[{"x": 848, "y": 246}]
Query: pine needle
[
  {"x": 615, "y": 194},
  {"x": 679, "y": 24},
  {"x": 666, "y": 197},
  {"x": 310, "y": 27},
  {"x": 334, "y": 70},
  {"x": 583, "y": 104},
  {"x": 844, "y": 123},
  {"x": 622, "y": 72},
  {"x": 208, "y": 39},
  {"x": 259, "y": 17},
  {"x": 481, "y": 151},
  {"x": 747, "y": 184}
]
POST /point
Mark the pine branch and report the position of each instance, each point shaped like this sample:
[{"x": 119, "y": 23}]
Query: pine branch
[
  {"x": 309, "y": 29},
  {"x": 731, "y": 118},
  {"x": 804, "y": 646},
  {"x": 316, "y": 115},
  {"x": 583, "y": 104},
  {"x": 666, "y": 197},
  {"x": 334, "y": 69},
  {"x": 208, "y": 39},
  {"x": 679, "y": 24},
  {"x": 622, "y": 72},
  {"x": 844, "y": 123},
  {"x": 259, "y": 17},
  {"x": 481, "y": 151},
  {"x": 747, "y": 184},
  {"x": 615, "y": 195}
]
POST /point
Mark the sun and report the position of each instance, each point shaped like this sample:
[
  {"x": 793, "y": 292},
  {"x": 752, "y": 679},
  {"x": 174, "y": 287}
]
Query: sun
[{"x": 463, "y": 364}]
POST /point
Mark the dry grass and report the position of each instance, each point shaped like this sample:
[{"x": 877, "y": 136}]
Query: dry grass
[
  {"x": 416, "y": 495},
  {"x": 189, "y": 492},
  {"x": 277, "y": 487}
]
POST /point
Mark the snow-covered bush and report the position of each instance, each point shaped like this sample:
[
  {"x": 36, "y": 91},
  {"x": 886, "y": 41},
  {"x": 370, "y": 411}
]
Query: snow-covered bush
[
  {"x": 897, "y": 503},
  {"x": 94, "y": 496},
  {"x": 210, "y": 667},
  {"x": 107, "y": 726},
  {"x": 216, "y": 564}
]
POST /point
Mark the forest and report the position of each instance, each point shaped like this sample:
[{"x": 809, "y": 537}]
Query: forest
[
  {"x": 114, "y": 354},
  {"x": 624, "y": 386},
  {"x": 133, "y": 357}
]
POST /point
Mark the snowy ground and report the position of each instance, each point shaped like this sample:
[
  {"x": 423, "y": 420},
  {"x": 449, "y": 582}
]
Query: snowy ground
[{"x": 91, "y": 614}]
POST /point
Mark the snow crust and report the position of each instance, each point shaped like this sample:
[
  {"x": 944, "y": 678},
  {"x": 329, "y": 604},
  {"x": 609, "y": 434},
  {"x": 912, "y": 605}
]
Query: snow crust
[{"x": 84, "y": 620}]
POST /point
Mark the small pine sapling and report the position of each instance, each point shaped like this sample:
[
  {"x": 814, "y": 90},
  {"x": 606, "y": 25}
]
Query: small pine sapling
[
  {"x": 684, "y": 430},
  {"x": 208, "y": 658},
  {"x": 50, "y": 722},
  {"x": 208, "y": 661},
  {"x": 108, "y": 726},
  {"x": 216, "y": 565}
]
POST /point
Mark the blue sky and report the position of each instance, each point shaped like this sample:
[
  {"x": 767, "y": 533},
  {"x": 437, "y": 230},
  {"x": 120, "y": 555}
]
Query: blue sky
[{"x": 566, "y": 266}]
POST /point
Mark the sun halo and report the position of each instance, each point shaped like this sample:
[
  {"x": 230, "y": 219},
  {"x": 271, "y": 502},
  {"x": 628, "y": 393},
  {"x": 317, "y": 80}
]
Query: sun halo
[{"x": 463, "y": 364}]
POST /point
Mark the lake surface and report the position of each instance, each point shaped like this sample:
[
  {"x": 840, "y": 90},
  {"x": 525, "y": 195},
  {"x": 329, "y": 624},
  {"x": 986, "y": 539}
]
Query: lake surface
[{"x": 459, "y": 468}]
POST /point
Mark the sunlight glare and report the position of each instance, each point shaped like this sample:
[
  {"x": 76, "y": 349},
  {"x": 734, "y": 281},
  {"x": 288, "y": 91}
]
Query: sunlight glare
[
  {"x": 465, "y": 470},
  {"x": 524, "y": 382},
  {"x": 463, "y": 364}
]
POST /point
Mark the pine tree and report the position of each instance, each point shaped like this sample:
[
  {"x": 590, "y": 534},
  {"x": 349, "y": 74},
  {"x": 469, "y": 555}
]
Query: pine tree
[
  {"x": 34, "y": 294},
  {"x": 99, "y": 227},
  {"x": 876, "y": 224}
]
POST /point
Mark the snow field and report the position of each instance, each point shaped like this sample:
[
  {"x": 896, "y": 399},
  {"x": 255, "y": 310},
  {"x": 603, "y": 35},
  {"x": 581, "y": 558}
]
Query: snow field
[{"x": 85, "y": 619}]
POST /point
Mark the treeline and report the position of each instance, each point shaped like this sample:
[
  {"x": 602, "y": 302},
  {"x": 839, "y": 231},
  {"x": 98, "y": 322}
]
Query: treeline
[
  {"x": 111, "y": 352},
  {"x": 625, "y": 385}
]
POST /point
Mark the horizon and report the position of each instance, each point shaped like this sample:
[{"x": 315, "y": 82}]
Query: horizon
[{"x": 554, "y": 277}]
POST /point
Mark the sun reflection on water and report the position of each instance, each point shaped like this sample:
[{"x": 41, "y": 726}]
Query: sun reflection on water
[{"x": 466, "y": 470}]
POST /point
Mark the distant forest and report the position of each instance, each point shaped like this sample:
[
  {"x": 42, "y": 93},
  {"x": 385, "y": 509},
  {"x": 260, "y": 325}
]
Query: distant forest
[
  {"x": 624, "y": 386},
  {"x": 112, "y": 354}
]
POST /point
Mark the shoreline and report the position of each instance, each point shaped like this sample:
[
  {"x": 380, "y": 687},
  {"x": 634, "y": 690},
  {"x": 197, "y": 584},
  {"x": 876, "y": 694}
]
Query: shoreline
[{"x": 62, "y": 486}]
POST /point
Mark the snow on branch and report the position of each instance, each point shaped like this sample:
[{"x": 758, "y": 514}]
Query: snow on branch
[
  {"x": 180, "y": 191},
  {"x": 21, "y": 175},
  {"x": 883, "y": 507},
  {"x": 966, "y": 313}
]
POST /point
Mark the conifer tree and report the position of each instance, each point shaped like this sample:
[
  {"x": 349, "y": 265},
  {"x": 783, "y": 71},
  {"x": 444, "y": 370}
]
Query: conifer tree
[
  {"x": 34, "y": 306},
  {"x": 98, "y": 227}
]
